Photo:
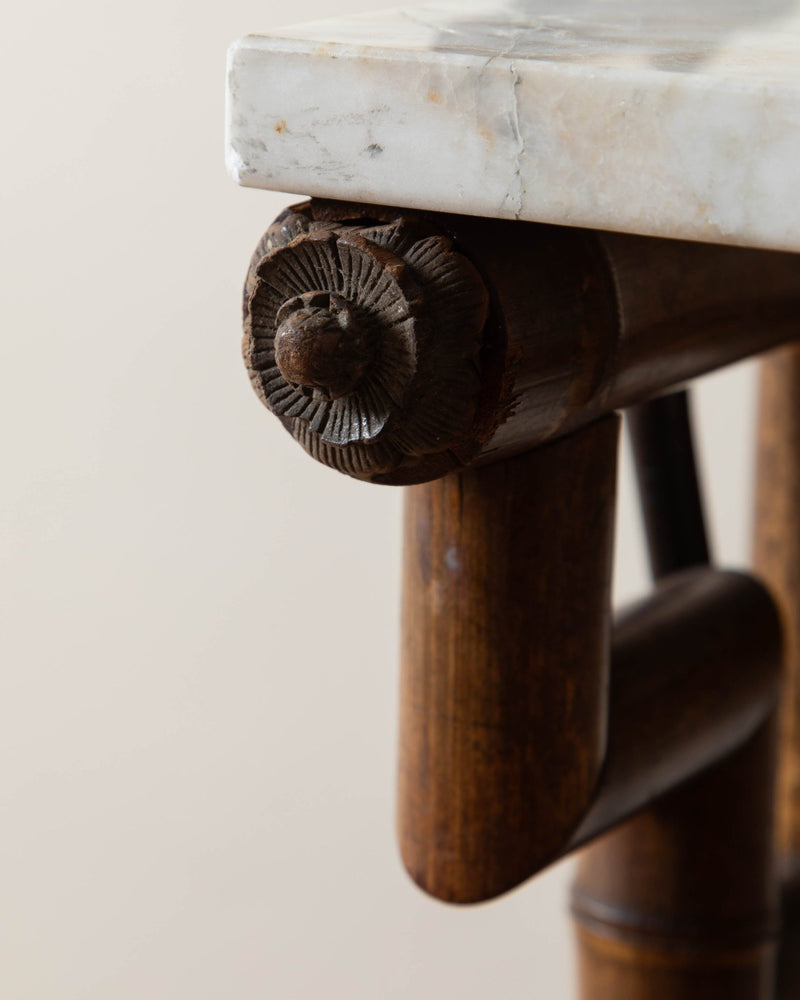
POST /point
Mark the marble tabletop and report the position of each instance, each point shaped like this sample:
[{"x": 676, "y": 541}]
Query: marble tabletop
[{"x": 676, "y": 118}]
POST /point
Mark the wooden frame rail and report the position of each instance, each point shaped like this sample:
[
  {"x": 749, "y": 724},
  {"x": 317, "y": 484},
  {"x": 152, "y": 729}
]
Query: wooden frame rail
[{"x": 398, "y": 346}]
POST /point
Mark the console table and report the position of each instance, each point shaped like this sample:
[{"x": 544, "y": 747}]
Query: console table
[{"x": 525, "y": 219}]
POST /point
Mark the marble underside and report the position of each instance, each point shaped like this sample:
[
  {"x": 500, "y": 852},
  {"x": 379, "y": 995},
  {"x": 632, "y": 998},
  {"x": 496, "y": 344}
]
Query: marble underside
[{"x": 670, "y": 118}]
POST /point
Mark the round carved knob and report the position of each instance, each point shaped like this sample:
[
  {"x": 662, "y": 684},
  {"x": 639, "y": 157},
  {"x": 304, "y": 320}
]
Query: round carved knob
[
  {"x": 364, "y": 339},
  {"x": 321, "y": 346}
]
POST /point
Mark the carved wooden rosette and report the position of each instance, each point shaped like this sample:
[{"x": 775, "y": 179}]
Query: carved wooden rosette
[{"x": 364, "y": 339}]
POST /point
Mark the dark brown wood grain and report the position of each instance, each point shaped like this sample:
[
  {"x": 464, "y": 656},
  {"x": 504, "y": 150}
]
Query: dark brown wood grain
[
  {"x": 397, "y": 346},
  {"x": 695, "y": 671},
  {"x": 504, "y": 663},
  {"x": 777, "y": 560},
  {"x": 510, "y": 753},
  {"x": 680, "y": 903}
]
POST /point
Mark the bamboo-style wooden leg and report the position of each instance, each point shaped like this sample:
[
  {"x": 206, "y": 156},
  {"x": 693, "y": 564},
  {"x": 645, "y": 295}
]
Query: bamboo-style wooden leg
[
  {"x": 777, "y": 559},
  {"x": 680, "y": 902}
]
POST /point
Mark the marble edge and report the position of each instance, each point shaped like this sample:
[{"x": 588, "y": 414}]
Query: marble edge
[
  {"x": 287, "y": 42},
  {"x": 260, "y": 172}
]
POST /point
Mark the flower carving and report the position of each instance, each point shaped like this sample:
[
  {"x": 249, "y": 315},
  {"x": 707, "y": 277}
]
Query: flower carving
[{"x": 364, "y": 338}]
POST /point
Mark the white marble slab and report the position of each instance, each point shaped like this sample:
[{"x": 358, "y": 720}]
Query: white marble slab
[{"x": 678, "y": 118}]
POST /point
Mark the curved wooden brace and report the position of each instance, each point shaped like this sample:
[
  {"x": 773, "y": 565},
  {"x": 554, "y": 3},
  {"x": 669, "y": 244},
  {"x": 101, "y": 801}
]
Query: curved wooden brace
[{"x": 517, "y": 744}]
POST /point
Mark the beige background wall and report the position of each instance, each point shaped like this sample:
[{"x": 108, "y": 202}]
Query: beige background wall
[{"x": 197, "y": 691}]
